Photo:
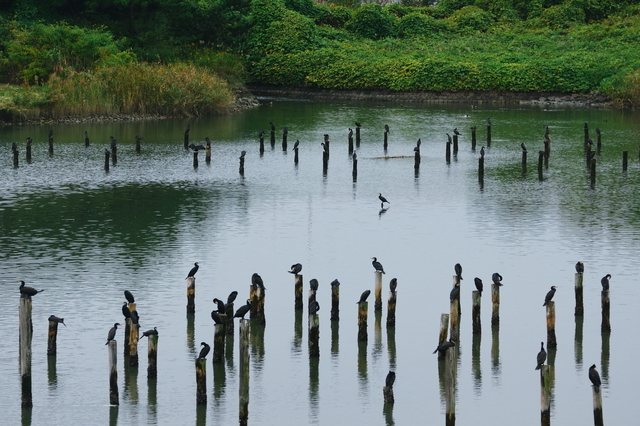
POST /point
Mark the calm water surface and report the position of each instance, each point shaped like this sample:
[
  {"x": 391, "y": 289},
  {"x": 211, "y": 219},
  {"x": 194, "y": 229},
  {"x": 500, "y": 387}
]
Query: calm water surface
[{"x": 85, "y": 235}]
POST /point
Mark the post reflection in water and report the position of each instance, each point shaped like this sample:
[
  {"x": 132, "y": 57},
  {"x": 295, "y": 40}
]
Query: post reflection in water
[
  {"x": 387, "y": 411},
  {"x": 391, "y": 347},
  {"x": 377, "y": 337},
  {"x": 201, "y": 415},
  {"x": 476, "y": 366},
  {"x": 604, "y": 357},
  {"x": 130, "y": 383},
  {"x": 314, "y": 384},
  {"x": 52, "y": 374},
  {"x": 495, "y": 352},
  {"x": 26, "y": 416},
  {"x": 113, "y": 415},
  {"x": 228, "y": 351},
  {"x": 335, "y": 339},
  {"x": 296, "y": 344},
  {"x": 219, "y": 386},
  {"x": 363, "y": 376},
  {"x": 152, "y": 400},
  {"x": 257, "y": 347},
  {"x": 577, "y": 345},
  {"x": 191, "y": 340}
]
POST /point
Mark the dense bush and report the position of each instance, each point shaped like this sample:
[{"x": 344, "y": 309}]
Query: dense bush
[
  {"x": 471, "y": 18},
  {"x": 562, "y": 15},
  {"x": 372, "y": 21},
  {"x": 335, "y": 16},
  {"x": 418, "y": 24}
]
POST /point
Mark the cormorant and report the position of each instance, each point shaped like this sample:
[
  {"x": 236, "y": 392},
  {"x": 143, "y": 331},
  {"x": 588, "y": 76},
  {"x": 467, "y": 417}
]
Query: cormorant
[
  {"x": 232, "y": 297},
  {"x": 542, "y": 356},
  {"x": 416, "y": 149},
  {"x": 598, "y": 130},
  {"x": 350, "y": 133},
  {"x": 354, "y": 156},
  {"x": 125, "y": 310},
  {"x": 489, "y": 121},
  {"x": 215, "y": 316},
  {"x": 364, "y": 295},
  {"x": 139, "y": 138},
  {"x": 296, "y": 268},
  {"x": 148, "y": 333},
  {"x": 594, "y": 376},
  {"x": 458, "y": 268},
  {"x": 242, "y": 310},
  {"x": 549, "y": 295},
  {"x": 313, "y": 284},
  {"x": 242, "y": 154},
  {"x": 442, "y": 347},
  {"x": 50, "y": 133},
  {"x": 197, "y": 147},
  {"x": 580, "y": 267},
  {"x": 129, "y": 296},
  {"x": 390, "y": 380},
  {"x": 482, "y": 152},
  {"x": 114, "y": 142},
  {"x": 273, "y": 128},
  {"x": 418, "y": 143},
  {"x": 524, "y": 148},
  {"x": 295, "y": 145},
  {"x": 30, "y": 139},
  {"x": 386, "y": 128},
  {"x": 324, "y": 147},
  {"x": 28, "y": 291},
  {"x": 335, "y": 283},
  {"x": 314, "y": 307},
  {"x": 590, "y": 155},
  {"x": 257, "y": 280},
  {"x": 186, "y": 131},
  {"x": 208, "y": 141},
  {"x": 456, "y": 132},
  {"x": 86, "y": 135},
  {"x": 358, "y": 124},
  {"x": 220, "y": 304},
  {"x": 449, "y": 139},
  {"x": 377, "y": 265},
  {"x": 57, "y": 319},
  {"x": 14, "y": 147},
  {"x": 285, "y": 131},
  {"x": 112, "y": 333},
  {"x": 382, "y": 200},
  {"x": 393, "y": 284},
  {"x": 135, "y": 319},
  {"x": 204, "y": 351},
  {"x": 496, "y": 278},
  {"x": 605, "y": 282},
  {"x": 261, "y": 134},
  {"x": 479, "y": 286},
  {"x": 455, "y": 293},
  {"x": 193, "y": 270}
]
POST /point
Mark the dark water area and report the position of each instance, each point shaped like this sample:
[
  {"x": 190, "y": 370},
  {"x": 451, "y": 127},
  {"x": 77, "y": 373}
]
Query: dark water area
[{"x": 85, "y": 235}]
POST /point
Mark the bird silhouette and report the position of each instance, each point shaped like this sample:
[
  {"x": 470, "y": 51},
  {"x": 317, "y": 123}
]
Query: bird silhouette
[
  {"x": 542, "y": 356},
  {"x": 549, "y": 295}
]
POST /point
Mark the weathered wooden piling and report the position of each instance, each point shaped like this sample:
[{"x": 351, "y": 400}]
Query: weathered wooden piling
[
  {"x": 444, "y": 328},
  {"x": 524, "y": 162},
  {"x": 295, "y": 155},
  {"x": 481, "y": 168},
  {"x": 25, "y": 337},
  {"x": 596, "y": 392},
  {"x": 586, "y": 134},
  {"x": 229, "y": 325},
  {"x": 473, "y": 138},
  {"x": 592, "y": 171},
  {"x": 350, "y": 140},
  {"x": 191, "y": 295},
  {"x": 579, "y": 311},
  {"x": 551, "y": 325},
  {"x": 152, "y": 356},
  {"x": 241, "y": 168},
  {"x": 488, "y": 133},
  {"x": 387, "y": 390},
  {"x": 107, "y": 157},
  {"x": 195, "y": 159},
  {"x": 29, "y": 140},
  {"x": 335, "y": 300},
  {"x": 285, "y": 133},
  {"x": 598, "y": 141},
  {"x": 297, "y": 291},
  {"x": 416, "y": 160},
  {"x": 186, "y": 136},
  {"x": 354, "y": 169},
  {"x": 207, "y": 154},
  {"x": 475, "y": 312},
  {"x": 587, "y": 155},
  {"x": 377, "y": 290},
  {"x": 51, "y": 146},
  {"x": 52, "y": 337},
  {"x": 449, "y": 386},
  {"x": 244, "y": 372},
  {"x": 219, "y": 334},
  {"x": 363, "y": 311},
  {"x": 134, "y": 337},
  {"x": 273, "y": 138},
  {"x": 16, "y": 161},
  {"x": 357, "y": 136},
  {"x": 495, "y": 304},
  {"x": 138, "y": 147},
  {"x": 114, "y": 153},
  {"x": 391, "y": 309},
  {"x": 261, "y": 136},
  {"x": 386, "y": 140},
  {"x": 447, "y": 153},
  {"x": 86, "y": 139},
  {"x": 605, "y": 326},
  {"x": 625, "y": 156},
  {"x": 454, "y": 320},
  {"x": 201, "y": 381},
  {"x": 455, "y": 144},
  {"x": 545, "y": 395},
  {"x": 314, "y": 336},
  {"x": 259, "y": 302},
  {"x": 114, "y": 398},
  {"x": 540, "y": 164}
]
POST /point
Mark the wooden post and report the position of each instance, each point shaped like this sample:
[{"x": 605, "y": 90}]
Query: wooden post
[
  {"x": 228, "y": 325},
  {"x": 551, "y": 325},
  {"x": 218, "y": 340},
  {"x": 51, "y": 146},
  {"x": 540, "y": 164},
  {"x": 195, "y": 159},
  {"x": 454, "y": 320},
  {"x": 314, "y": 336},
  {"x": 16, "y": 161},
  {"x": 152, "y": 356},
  {"x": 325, "y": 162},
  {"x": 354, "y": 170},
  {"x": 606, "y": 310},
  {"x": 241, "y": 168},
  {"x": 25, "y": 336},
  {"x": 191, "y": 295},
  {"x": 475, "y": 313},
  {"x": 416, "y": 160},
  {"x": 473, "y": 138},
  {"x": 587, "y": 156},
  {"x": 273, "y": 138},
  {"x": 444, "y": 328},
  {"x": 357, "y": 136},
  {"x": 86, "y": 139},
  {"x": 391, "y": 309},
  {"x": 284, "y": 140},
  {"x": 295, "y": 155},
  {"x": 138, "y": 148},
  {"x": 244, "y": 371},
  {"x": 593, "y": 171},
  {"x": 207, "y": 154},
  {"x": 524, "y": 162},
  {"x": 447, "y": 153},
  {"x": 186, "y": 140},
  {"x": 350, "y": 143},
  {"x": 114, "y": 154},
  {"x": 201, "y": 381},
  {"x": 488, "y": 134},
  {"x": 363, "y": 310},
  {"x": 114, "y": 398},
  {"x": 597, "y": 406},
  {"x": 53, "y": 336},
  {"x": 481, "y": 169},
  {"x": 598, "y": 142},
  {"x": 586, "y": 133},
  {"x": 297, "y": 291},
  {"x": 386, "y": 140},
  {"x": 625, "y": 156},
  {"x": 455, "y": 144},
  {"x": 29, "y": 149},
  {"x": 495, "y": 302},
  {"x": 261, "y": 142},
  {"x": 377, "y": 289},
  {"x": 134, "y": 336},
  {"x": 260, "y": 295},
  {"x": 335, "y": 300},
  {"x": 449, "y": 386},
  {"x": 547, "y": 151},
  {"x": 127, "y": 335},
  {"x": 579, "y": 311},
  {"x": 545, "y": 395},
  {"x": 107, "y": 156}
]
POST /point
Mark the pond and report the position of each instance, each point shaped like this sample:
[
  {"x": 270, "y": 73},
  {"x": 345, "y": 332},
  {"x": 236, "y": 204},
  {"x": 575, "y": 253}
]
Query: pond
[{"x": 85, "y": 235}]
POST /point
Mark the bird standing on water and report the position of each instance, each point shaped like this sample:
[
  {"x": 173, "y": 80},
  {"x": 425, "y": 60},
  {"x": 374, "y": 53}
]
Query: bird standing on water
[
  {"x": 204, "y": 351},
  {"x": 549, "y": 295},
  {"x": 605, "y": 282},
  {"x": 542, "y": 356},
  {"x": 28, "y": 291},
  {"x": 479, "y": 286},
  {"x": 296, "y": 268},
  {"x": 382, "y": 200},
  {"x": 594, "y": 376},
  {"x": 193, "y": 270},
  {"x": 377, "y": 265},
  {"x": 112, "y": 333}
]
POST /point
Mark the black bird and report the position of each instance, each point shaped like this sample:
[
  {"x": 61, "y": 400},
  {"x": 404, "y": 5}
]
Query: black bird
[
  {"x": 354, "y": 156},
  {"x": 232, "y": 297},
  {"x": 479, "y": 286},
  {"x": 524, "y": 148},
  {"x": 542, "y": 356},
  {"x": 30, "y": 139},
  {"x": 114, "y": 141},
  {"x": 350, "y": 133},
  {"x": 14, "y": 147},
  {"x": 204, "y": 351},
  {"x": 364, "y": 295},
  {"x": 594, "y": 376},
  {"x": 418, "y": 143},
  {"x": 472, "y": 128},
  {"x": 208, "y": 141},
  {"x": 442, "y": 347},
  {"x": 416, "y": 149},
  {"x": 139, "y": 138},
  {"x": 382, "y": 200},
  {"x": 543, "y": 154},
  {"x": 456, "y": 132},
  {"x": 285, "y": 131},
  {"x": 273, "y": 128},
  {"x": 314, "y": 307},
  {"x": 242, "y": 154},
  {"x": 257, "y": 280},
  {"x": 215, "y": 316},
  {"x": 580, "y": 267},
  {"x": 295, "y": 145},
  {"x": 455, "y": 293},
  {"x": 57, "y": 319},
  {"x": 549, "y": 295},
  {"x": 148, "y": 333},
  {"x": 489, "y": 121},
  {"x": 458, "y": 269},
  {"x": 86, "y": 135},
  {"x": 335, "y": 283},
  {"x": 242, "y": 310},
  {"x": 605, "y": 282},
  {"x": 195, "y": 147},
  {"x": 129, "y": 296},
  {"x": 393, "y": 284},
  {"x": 261, "y": 134},
  {"x": 186, "y": 131},
  {"x": 50, "y": 133},
  {"x": 386, "y": 128},
  {"x": 220, "y": 304},
  {"x": 28, "y": 291},
  {"x": 496, "y": 278},
  {"x": 598, "y": 130},
  {"x": 313, "y": 284},
  {"x": 449, "y": 139},
  {"x": 112, "y": 333},
  {"x": 377, "y": 265},
  {"x": 125, "y": 310},
  {"x": 390, "y": 380},
  {"x": 193, "y": 270},
  {"x": 590, "y": 155},
  {"x": 358, "y": 124},
  {"x": 296, "y": 268},
  {"x": 482, "y": 152},
  {"x": 135, "y": 319}
]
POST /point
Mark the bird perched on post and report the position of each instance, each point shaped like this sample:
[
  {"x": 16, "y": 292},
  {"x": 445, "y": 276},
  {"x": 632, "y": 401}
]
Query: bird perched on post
[
  {"x": 386, "y": 128},
  {"x": 273, "y": 128},
  {"x": 479, "y": 286},
  {"x": 580, "y": 267},
  {"x": 549, "y": 295},
  {"x": 390, "y": 380},
  {"x": 125, "y": 310},
  {"x": 57, "y": 319},
  {"x": 313, "y": 285},
  {"x": 456, "y": 132},
  {"x": 215, "y": 316},
  {"x": 458, "y": 268},
  {"x": 186, "y": 131},
  {"x": 605, "y": 282},
  {"x": 358, "y": 124},
  {"x": 382, "y": 200},
  {"x": 442, "y": 347},
  {"x": 193, "y": 270},
  {"x": 256, "y": 280},
  {"x": 364, "y": 295},
  {"x": 314, "y": 307},
  {"x": 594, "y": 376},
  {"x": 220, "y": 304},
  {"x": 148, "y": 333},
  {"x": 295, "y": 145},
  {"x": 449, "y": 139},
  {"x": 377, "y": 265},
  {"x": 135, "y": 318},
  {"x": 524, "y": 148},
  {"x": 26, "y": 291},
  {"x": 542, "y": 356},
  {"x": 242, "y": 310},
  {"x": 296, "y": 268},
  {"x": 50, "y": 133},
  {"x": 335, "y": 283},
  {"x": 496, "y": 278},
  {"x": 350, "y": 133},
  {"x": 112, "y": 333},
  {"x": 482, "y": 152},
  {"x": 129, "y": 296},
  {"x": 455, "y": 293},
  {"x": 204, "y": 351},
  {"x": 232, "y": 297},
  {"x": 393, "y": 284},
  {"x": 242, "y": 155}
]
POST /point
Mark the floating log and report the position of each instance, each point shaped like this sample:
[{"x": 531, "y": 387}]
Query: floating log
[
  {"x": 449, "y": 386},
  {"x": 605, "y": 326},
  {"x": 363, "y": 311},
  {"x": 625, "y": 156},
  {"x": 579, "y": 311},
  {"x": 335, "y": 300},
  {"x": 152, "y": 356},
  {"x": 297, "y": 291},
  {"x": 545, "y": 395},
  {"x": 218, "y": 340},
  {"x": 597, "y": 405},
  {"x": 201, "y": 381},
  {"x": 191, "y": 295},
  {"x": 495, "y": 304},
  {"x": 377, "y": 290},
  {"x": 475, "y": 312},
  {"x": 314, "y": 336},
  {"x": 25, "y": 337},
  {"x": 244, "y": 372},
  {"x": 551, "y": 325},
  {"x": 114, "y": 398}
]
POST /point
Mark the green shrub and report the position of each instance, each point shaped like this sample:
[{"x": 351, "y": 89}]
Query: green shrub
[
  {"x": 418, "y": 24},
  {"x": 373, "y": 22},
  {"x": 562, "y": 16},
  {"x": 293, "y": 33},
  {"x": 335, "y": 16},
  {"x": 305, "y": 7},
  {"x": 471, "y": 18}
]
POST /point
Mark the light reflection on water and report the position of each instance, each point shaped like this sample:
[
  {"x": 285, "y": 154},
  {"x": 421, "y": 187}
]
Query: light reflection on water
[{"x": 85, "y": 235}]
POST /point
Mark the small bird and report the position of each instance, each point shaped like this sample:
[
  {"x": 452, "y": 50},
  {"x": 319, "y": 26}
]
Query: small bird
[
  {"x": 256, "y": 280},
  {"x": 364, "y": 295},
  {"x": 57, "y": 319},
  {"x": 129, "y": 296},
  {"x": 350, "y": 133},
  {"x": 382, "y": 200},
  {"x": 442, "y": 347},
  {"x": 296, "y": 268},
  {"x": 377, "y": 265},
  {"x": 232, "y": 297},
  {"x": 594, "y": 376},
  {"x": 242, "y": 310},
  {"x": 314, "y": 307},
  {"x": 458, "y": 268},
  {"x": 204, "y": 351},
  {"x": 50, "y": 133},
  {"x": 220, "y": 303},
  {"x": 549, "y": 295},
  {"x": 496, "y": 278},
  {"x": 455, "y": 293},
  {"x": 295, "y": 145},
  {"x": 28, "y": 291},
  {"x": 605, "y": 282},
  {"x": 393, "y": 284},
  {"x": 208, "y": 141},
  {"x": 215, "y": 316},
  {"x": 456, "y": 132},
  {"x": 242, "y": 154},
  {"x": 135, "y": 318},
  {"x": 112, "y": 333},
  {"x": 542, "y": 356},
  {"x": 358, "y": 124},
  {"x": 386, "y": 128},
  {"x": 390, "y": 380},
  {"x": 524, "y": 148},
  {"x": 195, "y": 147},
  {"x": 580, "y": 267},
  {"x": 125, "y": 310},
  {"x": 335, "y": 283},
  {"x": 193, "y": 270},
  {"x": 313, "y": 285},
  {"x": 482, "y": 152},
  {"x": 148, "y": 333},
  {"x": 479, "y": 286}
]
